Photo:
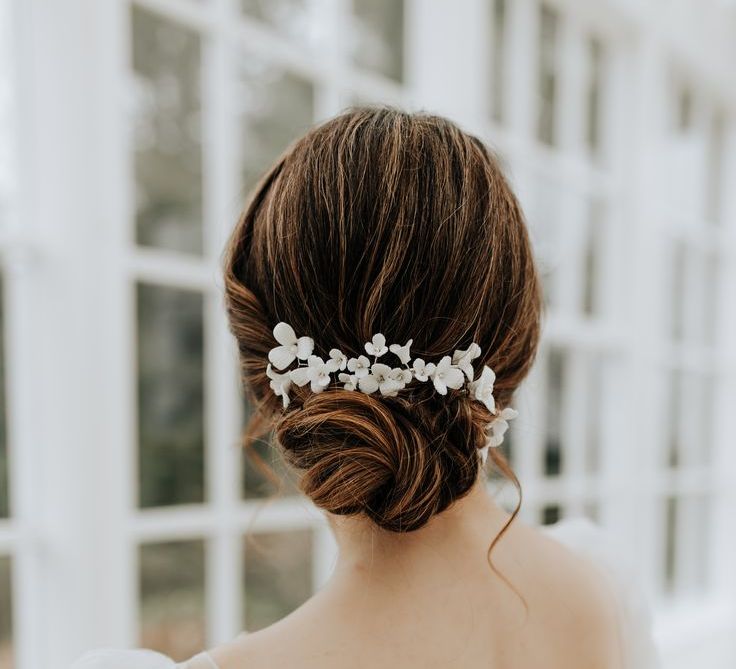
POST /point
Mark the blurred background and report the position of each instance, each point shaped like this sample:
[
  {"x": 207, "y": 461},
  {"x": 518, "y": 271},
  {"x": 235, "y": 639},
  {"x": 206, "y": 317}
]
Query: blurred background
[{"x": 130, "y": 134}]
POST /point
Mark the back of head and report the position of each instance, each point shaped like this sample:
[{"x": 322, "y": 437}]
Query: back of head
[{"x": 379, "y": 220}]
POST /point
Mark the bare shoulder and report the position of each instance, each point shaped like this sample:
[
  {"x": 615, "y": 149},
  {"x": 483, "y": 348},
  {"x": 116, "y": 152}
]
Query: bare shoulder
[
  {"x": 253, "y": 650},
  {"x": 294, "y": 641},
  {"x": 571, "y": 588}
]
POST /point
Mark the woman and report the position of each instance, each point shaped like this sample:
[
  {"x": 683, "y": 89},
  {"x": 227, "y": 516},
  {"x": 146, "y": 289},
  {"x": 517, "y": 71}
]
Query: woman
[{"x": 383, "y": 295}]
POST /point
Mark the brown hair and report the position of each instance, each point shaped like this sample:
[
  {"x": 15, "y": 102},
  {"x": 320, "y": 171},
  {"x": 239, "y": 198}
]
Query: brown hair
[{"x": 380, "y": 220}]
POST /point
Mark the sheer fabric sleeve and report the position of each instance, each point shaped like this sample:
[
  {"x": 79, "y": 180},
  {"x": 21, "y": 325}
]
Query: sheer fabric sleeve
[
  {"x": 634, "y": 612},
  {"x": 115, "y": 658}
]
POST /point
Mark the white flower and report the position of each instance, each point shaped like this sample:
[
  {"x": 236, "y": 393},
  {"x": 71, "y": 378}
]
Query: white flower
[
  {"x": 497, "y": 429},
  {"x": 339, "y": 358},
  {"x": 350, "y": 381},
  {"x": 359, "y": 366},
  {"x": 402, "y": 351},
  {"x": 291, "y": 347},
  {"x": 377, "y": 346},
  {"x": 482, "y": 389},
  {"x": 316, "y": 373},
  {"x": 382, "y": 374},
  {"x": 447, "y": 376},
  {"x": 367, "y": 384},
  {"x": 280, "y": 384},
  {"x": 422, "y": 370},
  {"x": 380, "y": 378},
  {"x": 400, "y": 375},
  {"x": 464, "y": 359}
]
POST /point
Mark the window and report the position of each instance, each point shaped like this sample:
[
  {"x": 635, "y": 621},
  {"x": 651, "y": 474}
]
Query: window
[
  {"x": 202, "y": 531},
  {"x": 377, "y": 28},
  {"x": 498, "y": 58},
  {"x": 172, "y": 597},
  {"x": 548, "y": 77},
  {"x": 168, "y": 135},
  {"x": 170, "y": 396},
  {"x": 6, "y": 612}
]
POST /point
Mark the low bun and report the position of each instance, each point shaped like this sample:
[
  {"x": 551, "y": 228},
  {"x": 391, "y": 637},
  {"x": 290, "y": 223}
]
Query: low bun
[{"x": 397, "y": 461}]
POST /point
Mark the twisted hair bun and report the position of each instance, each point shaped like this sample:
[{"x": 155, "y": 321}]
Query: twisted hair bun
[{"x": 379, "y": 220}]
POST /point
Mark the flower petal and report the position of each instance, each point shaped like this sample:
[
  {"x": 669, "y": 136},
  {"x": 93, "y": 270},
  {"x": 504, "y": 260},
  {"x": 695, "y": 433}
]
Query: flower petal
[
  {"x": 300, "y": 376},
  {"x": 509, "y": 414},
  {"x": 339, "y": 357},
  {"x": 332, "y": 365},
  {"x": 439, "y": 385},
  {"x": 379, "y": 369},
  {"x": 317, "y": 386},
  {"x": 389, "y": 388},
  {"x": 368, "y": 384},
  {"x": 281, "y": 357},
  {"x": 304, "y": 347},
  {"x": 454, "y": 377},
  {"x": 284, "y": 334}
]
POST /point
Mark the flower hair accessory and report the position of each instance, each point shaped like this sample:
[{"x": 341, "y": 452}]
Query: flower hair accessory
[{"x": 369, "y": 377}]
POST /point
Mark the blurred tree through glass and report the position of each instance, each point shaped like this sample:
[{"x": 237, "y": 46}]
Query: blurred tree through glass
[
  {"x": 172, "y": 597},
  {"x": 167, "y": 137},
  {"x": 278, "y": 575},
  {"x": 170, "y": 396},
  {"x": 4, "y": 473}
]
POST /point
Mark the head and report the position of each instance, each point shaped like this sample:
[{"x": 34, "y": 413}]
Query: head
[{"x": 379, "y": 220}]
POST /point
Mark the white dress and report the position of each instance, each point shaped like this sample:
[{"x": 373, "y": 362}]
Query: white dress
[{"x": 579, "y": 535}]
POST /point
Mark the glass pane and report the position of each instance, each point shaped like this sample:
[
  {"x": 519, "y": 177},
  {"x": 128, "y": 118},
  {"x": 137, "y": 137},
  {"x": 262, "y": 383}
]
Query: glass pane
[
  {"x": 498, "y": 60},
  {"x": 710, "y": 300},
  {"x": 591, "y": 260},
  {"x": 699, "y": 394},
  {"x": 167, "y": 137},
  {"x": 716, "y": 143},
  {"x": 278, "y": 575},
  {"x": 4, "y": 474},
  {"x": 550, "y": 514},
  {"x": 544, "y": 214},
  {"x": 377, "y": 36},
  {"x": 275, "y": 106},
  {"x": 671, "y": 506},
  {"x": 295, "y": 19},
  {"x": 594, "y": 92},
  {"x": 677, "y": 309},
  {"x": 548, "y": 84},
  {"x": 556, "y": 389},
  {"x": 593, "y": 414},
  {"x": 172, "y": 597},
  {"x": 258, "y": 484},
  {"x": 170, "y": 396},
  {"x": 700, "y": 512},
  {"x": 674, "y": 409},
  {"x": 592, "y": 511},
  {"x": 6, "y": 613}
]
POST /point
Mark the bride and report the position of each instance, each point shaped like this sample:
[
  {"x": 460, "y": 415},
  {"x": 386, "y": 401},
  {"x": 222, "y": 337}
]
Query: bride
[{"x": 383, "y": 295}]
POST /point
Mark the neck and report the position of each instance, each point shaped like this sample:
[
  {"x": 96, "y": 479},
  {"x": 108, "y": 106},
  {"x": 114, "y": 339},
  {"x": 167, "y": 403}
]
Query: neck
[{"x": 459, "y": 536}]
